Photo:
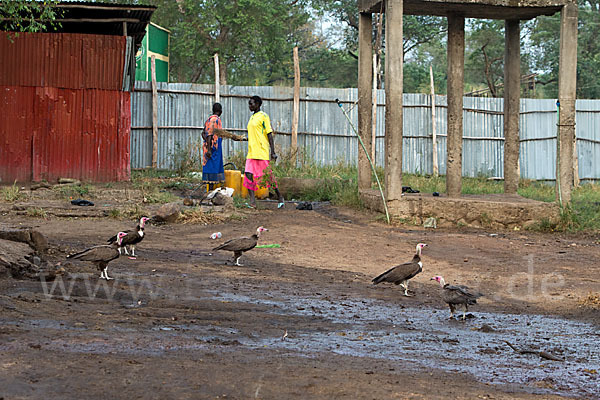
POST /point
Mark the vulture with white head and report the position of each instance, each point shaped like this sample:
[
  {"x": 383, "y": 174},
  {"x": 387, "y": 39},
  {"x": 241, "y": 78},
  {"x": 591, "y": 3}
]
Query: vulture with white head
[
  {"x": 400, "y": 274},
  {"x": 132, "y": 237},
  {"x": 241, "y": 245},
  {"x": 457, "y": 296},
  {"x": 101, "y": 255}
]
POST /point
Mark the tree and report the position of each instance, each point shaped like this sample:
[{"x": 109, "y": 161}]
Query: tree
[
  {"x": 247, "y": 35},
  {"x": 545, "y": 44},
  {"x": 28, "y": 16},
  {"x": 484, "y": 61}
]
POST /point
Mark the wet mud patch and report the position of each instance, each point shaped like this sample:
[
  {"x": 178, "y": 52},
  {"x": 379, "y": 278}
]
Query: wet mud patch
[
  {"x": 300, "y": 321},
  {"x": 425, "y": 338}
]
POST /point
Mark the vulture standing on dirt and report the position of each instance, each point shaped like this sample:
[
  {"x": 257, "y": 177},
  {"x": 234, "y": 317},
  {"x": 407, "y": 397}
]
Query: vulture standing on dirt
[
  {"x": 101, "y": 255},
  {"x": 241, "y": 245},
  {"x": 457, "y": 296},
  {"x": 400, "y": 274},
  {"x": 132, "y": 237}
]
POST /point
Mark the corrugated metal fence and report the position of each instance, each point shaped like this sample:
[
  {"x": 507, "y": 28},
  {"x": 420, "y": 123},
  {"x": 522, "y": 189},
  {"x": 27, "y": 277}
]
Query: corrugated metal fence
[{"x": 327, "y": 137}]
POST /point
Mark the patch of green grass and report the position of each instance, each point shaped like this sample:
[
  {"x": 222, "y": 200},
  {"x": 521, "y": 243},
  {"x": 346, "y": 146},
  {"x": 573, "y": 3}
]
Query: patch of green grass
[
  {"x": 586, "y": 207},
  {"x": 423, "y": 183},
  {"x": 239, "y": 202},
  {"x": 583, "y": 214},
  {"x": 72, "y": 191},
  {"x": 238, "y": 159},
  {"x": 159, "y": 196},
  {"x": 115, "y": 213},
  {"x": 147, "y": 173},
  {"x": 12, "y": 193},
  {"x": 340, "y": 186},
  {"x": 36, "y": 212},
  {"x": 536, "y": 190},
  {"x": 135, "y": 213},
  {"x": 236, "y": 217},
  {"x": 186, "y": 158}
]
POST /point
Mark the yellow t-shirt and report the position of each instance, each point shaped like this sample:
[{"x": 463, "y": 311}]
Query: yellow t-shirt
[{"x": 259, "y": 127}]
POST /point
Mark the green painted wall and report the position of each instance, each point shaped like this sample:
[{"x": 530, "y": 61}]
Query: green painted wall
[
  {"x": 159, "y": 40},
  {"x": 155, "y": 42}
]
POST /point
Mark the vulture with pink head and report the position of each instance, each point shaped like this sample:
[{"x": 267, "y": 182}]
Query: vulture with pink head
[
  {"x": 457, "y": 296},
  {"x": 241, "y": 245},
  {"x": 400, "y": 274},
  {"x": 101, "y": 255},
  {"x": 132, "y": 237}
]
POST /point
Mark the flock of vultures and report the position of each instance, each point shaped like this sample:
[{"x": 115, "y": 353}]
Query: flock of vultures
[{"x": 456, "y": 296}]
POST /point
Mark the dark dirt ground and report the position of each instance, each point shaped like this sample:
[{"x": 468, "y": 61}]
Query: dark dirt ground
[{"x": 181, "y": 322}]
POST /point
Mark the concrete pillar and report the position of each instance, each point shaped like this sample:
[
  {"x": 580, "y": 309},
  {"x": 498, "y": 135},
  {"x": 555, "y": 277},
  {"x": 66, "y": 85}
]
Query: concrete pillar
[
  {"x": 567, "y": 79},
  {"x": 456, "y": 61},
  {"x": 393, "y": 99},
  {"x": 512, "y": 87},
  {"x": 365, "y": 77}
]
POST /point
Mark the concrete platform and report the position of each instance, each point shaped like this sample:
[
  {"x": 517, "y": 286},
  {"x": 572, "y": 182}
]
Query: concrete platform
[{"x": 479, "y": 211}]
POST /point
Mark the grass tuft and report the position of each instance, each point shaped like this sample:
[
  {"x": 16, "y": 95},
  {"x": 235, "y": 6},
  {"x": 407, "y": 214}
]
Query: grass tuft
[
  {"x": 12, "y": 193},
  {"x": 338, "y": 183},
  {"x": 36, "y": 212},
  {"x": 197, "y": 216},
  {"x": 70, "y": 191}
]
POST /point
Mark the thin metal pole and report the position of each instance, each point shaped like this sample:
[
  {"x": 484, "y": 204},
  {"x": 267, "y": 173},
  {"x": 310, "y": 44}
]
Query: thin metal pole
[{"x": 387, "y": 214}]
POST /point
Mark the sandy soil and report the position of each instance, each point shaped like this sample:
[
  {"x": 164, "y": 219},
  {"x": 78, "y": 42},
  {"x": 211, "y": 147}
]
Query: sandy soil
[{"x": 303, "y": 320}]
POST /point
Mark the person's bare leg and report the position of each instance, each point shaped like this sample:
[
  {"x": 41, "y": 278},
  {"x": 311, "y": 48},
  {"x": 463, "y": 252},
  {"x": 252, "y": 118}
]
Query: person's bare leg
[
  {"x": 280, "y": 198},
  {"x": 251, "y": 195},
  {"x": 251, "y": 198}
]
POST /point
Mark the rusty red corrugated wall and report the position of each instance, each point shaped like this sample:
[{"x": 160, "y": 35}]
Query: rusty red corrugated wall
[{"x": 63, "y": 112}]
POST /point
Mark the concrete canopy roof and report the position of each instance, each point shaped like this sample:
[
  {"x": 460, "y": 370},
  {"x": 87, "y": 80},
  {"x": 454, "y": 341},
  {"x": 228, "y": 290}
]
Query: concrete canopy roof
[{"x": 485, "y": 9}]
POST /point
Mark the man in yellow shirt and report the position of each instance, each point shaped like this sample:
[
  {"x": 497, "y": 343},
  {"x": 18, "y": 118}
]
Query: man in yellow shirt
[{"x": 261, "y": 150}]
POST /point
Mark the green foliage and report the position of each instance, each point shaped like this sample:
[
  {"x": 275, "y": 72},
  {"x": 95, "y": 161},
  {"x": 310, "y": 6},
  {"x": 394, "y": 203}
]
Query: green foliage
[
  {"x": 72, "y": 191},
  {"x": 12, "y": 193},
  {"x": 115, "y": 213},
  {"x": 28, "y": 16},
  {"x": 536, "y": 190},
  {"x": 341, "y": 71},
  {"x": 307, "y": 167},
  {"x": 239, "y": 202},
  {"x": 36, "y": 212},
  {"x": 238, "y": 159},
  {"x": 248, "y": 35},
  {"x": 159, "y": 196},
  {"x": 152, "y": 192},
  {"x": 484, "y": 61},
  {"x": 135, "y": 212},
  {"x": 186, "y": 159}
]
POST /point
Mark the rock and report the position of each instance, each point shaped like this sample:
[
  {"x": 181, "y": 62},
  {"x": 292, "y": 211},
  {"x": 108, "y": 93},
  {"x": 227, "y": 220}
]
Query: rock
[
  {"x": 221, "y": 200},
  {"x": 168, "y": 212},
  {"x": 32, "y": 237},
  {"x": 69, "y": 181},
  {"x": 40, "y": 185},
  {"x": 304, "y": 205},
  {"x": 188, "y": 202},
  {"x": 38, "y": 241},
  {"x": 16, "y": 235},
  {"x": 486, "y": 328},
  {"x": 14, "y": 260},
  {"x": 430, "y": 222}
]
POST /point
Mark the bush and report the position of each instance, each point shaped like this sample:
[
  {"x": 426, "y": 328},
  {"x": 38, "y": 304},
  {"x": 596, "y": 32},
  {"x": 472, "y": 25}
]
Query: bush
[
  {"x": 187, "y": 158},
  {"x": 12, "y": 193}
]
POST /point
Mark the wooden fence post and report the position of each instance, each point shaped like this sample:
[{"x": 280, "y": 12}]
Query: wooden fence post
[
  {"x": 217, "y": 79},
  {"x": 434, "y": 154},
  {"x": 154, "y": 114},
  {"x": 296, "y": 107},
  {"x": 374, "y": 109}
]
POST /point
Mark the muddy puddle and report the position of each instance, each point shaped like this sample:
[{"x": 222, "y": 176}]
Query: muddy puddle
[
  {"x": 417, "y": 338},
  {"x": 426, "y": 338}
]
